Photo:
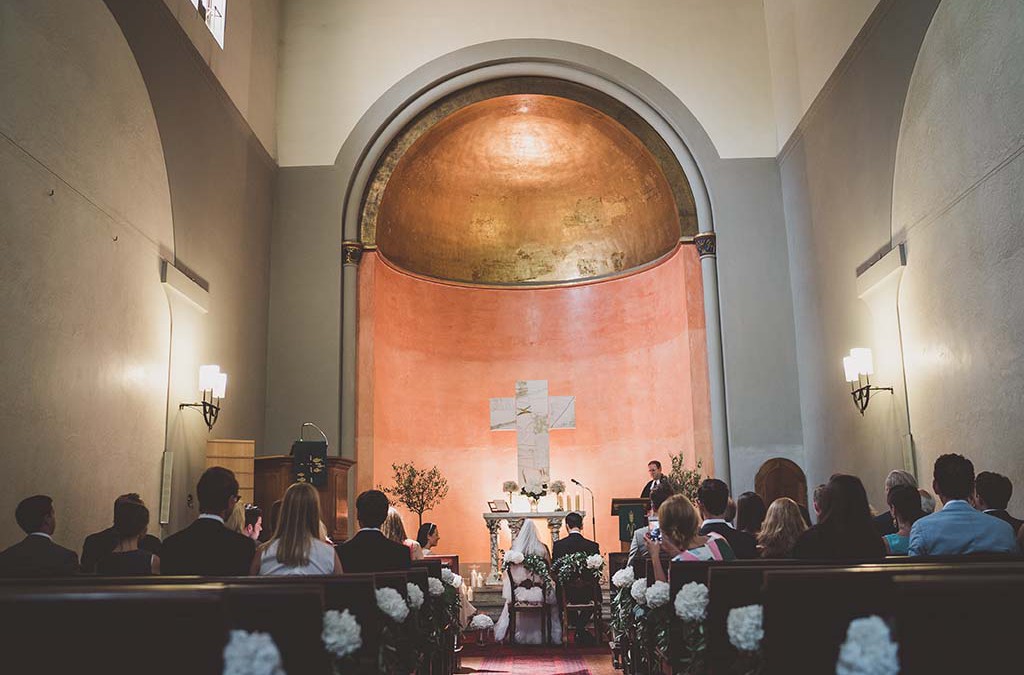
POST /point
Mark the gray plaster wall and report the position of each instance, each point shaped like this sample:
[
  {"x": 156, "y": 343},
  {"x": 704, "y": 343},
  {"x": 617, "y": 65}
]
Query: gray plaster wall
[
  {"x": 837, "y": 181},
  {"x": 107, "y": 171},
  {"x": 959, "y": 206},
  {"x": 757, "y": 314}
]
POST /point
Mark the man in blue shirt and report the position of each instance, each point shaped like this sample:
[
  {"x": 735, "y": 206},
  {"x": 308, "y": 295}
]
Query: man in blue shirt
[{"x": 958, "y": 529}]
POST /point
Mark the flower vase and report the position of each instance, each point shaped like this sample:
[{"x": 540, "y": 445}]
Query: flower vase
[{"x": 533, "y": 505}]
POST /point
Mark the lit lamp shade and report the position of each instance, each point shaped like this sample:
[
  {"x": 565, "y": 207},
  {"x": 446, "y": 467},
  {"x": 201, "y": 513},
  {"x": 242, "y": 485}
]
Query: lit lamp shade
[
  {"x": 208, "y": 377},
  {"x": 220, "y": 385},
  {"x": 850, "y": 368},
  {"x": 865, "y": 362}
]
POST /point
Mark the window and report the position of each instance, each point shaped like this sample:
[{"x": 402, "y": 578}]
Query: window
[{"x": 213, "y": 13}]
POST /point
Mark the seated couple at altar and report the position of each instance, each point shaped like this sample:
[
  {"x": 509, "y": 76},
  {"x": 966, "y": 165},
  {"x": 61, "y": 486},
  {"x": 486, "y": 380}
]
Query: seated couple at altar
[{"x": 532, "y": 588}]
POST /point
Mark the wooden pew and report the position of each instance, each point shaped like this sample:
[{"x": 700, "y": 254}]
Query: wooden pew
[
  {"x": 92, "y": 629},
  {"x": 807, "y": 611},
  {"x": 447, "y": 560}
]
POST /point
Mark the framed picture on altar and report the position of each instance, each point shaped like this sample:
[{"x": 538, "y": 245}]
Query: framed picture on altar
[{"x": 498, "y": 506}]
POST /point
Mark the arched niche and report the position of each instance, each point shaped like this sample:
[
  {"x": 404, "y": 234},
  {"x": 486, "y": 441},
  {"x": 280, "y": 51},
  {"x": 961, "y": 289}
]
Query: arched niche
[{"x": 780, "y": 477}]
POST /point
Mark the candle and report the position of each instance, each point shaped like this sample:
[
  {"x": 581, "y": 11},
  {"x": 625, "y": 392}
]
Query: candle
[
  {"x": 469, "y": 594},
  {"x": 577, "y": 501}
]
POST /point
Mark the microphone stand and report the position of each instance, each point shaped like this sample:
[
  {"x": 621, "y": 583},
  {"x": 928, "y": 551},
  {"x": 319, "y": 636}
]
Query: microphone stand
[{"x": 593, "y": 508}]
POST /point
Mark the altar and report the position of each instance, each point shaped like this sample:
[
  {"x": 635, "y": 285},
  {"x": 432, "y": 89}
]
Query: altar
[{"x": 515, "y": 523}]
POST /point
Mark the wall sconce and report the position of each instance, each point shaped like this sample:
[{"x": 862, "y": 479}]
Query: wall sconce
[
  {"x": 213, "y": 384},
  {"x": 859, "y": 367}
]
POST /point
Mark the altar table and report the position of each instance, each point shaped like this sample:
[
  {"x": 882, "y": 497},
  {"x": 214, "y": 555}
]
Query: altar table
[{"x": 515, "y": 524}]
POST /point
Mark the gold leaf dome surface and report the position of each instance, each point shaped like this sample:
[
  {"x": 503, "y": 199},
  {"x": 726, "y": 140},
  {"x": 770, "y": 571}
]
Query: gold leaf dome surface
[{"x": 526, "y": 189}]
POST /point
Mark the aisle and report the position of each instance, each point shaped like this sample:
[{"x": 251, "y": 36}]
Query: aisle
[{"x": 538, "y": 661}]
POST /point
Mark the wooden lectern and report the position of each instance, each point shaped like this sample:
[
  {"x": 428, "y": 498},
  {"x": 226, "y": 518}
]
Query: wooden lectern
[
  {"x": 632, "y": 513},
  {"x": 274, "y": 473}
]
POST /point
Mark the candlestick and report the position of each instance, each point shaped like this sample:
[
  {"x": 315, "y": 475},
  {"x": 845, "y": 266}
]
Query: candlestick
[
  {"x": 577, "y": 501},
  {"x": 469, "y": 594}
]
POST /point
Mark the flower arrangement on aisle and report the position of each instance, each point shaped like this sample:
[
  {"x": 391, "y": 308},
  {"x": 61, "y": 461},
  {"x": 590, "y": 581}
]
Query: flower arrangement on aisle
[
  {"x": 622, "y": 604},
  {"x": 746, "y": 630},
  {"x": 869, "y": 649},
  {"x": 251, "y": 654},
  {"x": 689, "y": 652},
  {"x": 576, "y": 566},
  {"x": 439, "y": 613},
  {"x": 341, "y": 636},
  {"x": 397, "y": 640}
]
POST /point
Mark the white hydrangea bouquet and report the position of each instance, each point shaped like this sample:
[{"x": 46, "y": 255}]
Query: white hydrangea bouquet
[
  {"x": 689, "y": 654},
  {"x": 869, "y": 649},
  {"x": 341, "y": 636},
  {"x": 652, "y": 620},
  {"x": 746, "y": 630},
  {"x": 438, "y": 609},
  {"x": 623, "y": 604},
  {"x": 576, "y": 566},
  {"x": 399, "y": 633},
  {"x": 251, "y": 654}
]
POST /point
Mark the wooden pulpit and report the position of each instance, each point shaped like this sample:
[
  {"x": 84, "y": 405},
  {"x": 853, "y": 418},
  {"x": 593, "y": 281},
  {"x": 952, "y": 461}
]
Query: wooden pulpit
[
  {"x": 632, "y": 513},
  {"x": 274, "y": 473}
]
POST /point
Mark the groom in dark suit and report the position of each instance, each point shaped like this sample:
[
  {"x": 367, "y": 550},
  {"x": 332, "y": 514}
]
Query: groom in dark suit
[
  {"x": 575, "y": 542},
  {"x": 206, "y": 547},
  {"x": 369, "y": 550},
  {"x": 37, "y": 555}
]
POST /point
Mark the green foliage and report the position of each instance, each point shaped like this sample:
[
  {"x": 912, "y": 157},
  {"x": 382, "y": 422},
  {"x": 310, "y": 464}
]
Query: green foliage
[
  {"x": 573, "y": 567},
  {"x": 419, "y": 490},
  {"x": 685, "y": 479}
]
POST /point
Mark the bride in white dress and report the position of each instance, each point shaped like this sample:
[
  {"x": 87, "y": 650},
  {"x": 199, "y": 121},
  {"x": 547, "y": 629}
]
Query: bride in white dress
[{"x": 528, "y": 624}]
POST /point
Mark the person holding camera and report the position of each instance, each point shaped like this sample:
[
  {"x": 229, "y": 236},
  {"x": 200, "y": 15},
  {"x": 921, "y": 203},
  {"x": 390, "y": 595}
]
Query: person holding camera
[{"x": 680, "y": 523}]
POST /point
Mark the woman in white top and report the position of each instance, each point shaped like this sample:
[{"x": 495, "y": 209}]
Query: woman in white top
[{"x": 296, "y": 548}]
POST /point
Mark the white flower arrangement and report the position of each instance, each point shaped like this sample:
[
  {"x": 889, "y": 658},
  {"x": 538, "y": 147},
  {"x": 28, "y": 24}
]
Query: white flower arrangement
[
  {"x": 534, "y": 490},
  {"x": 413, "y": 596},
  {"x": 481, "y": 622},
  {"x": 514, "y": 558},
  {"x": 391, "y": 603},
  {"x": 868, "y": 649},
  {"x": 595, "y": 562},
  {"x": 510, "y": 486},
  {"x": 251, "y": 654},
  {"x": 341, "y": 634},
  {"x": 639, "y": 591},
  {"x": 692, "y": 602},
  {"x": 623, "y": 578},
  {"x": 435, "y": 586},
  {"x": 446, "y": 575},
  {"x": 746, "y": 627},
  {"x": 456, "y": 581},
  {"x": 658, "y": 595},
  {"x": 558, "y": 487}
]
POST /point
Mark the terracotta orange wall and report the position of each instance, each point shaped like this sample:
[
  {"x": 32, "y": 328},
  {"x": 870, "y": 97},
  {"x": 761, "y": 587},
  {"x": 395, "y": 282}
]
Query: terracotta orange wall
[{"x": 631, "y": 350}]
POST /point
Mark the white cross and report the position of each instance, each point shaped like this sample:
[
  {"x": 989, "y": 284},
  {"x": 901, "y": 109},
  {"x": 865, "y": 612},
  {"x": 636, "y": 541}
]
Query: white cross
[{"x": 532, "y": 414}]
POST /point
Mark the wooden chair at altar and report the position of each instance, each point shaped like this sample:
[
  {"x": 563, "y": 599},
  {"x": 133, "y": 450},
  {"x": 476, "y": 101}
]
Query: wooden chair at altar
[
  {"x": 581, "y": 595},
  {"x": 515, "y": 607}
]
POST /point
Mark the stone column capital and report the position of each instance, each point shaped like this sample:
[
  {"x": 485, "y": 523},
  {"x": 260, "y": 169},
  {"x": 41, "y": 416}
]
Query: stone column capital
[
  {"x": 351, "y": 252},
  {"x": 706, "y": 243}
]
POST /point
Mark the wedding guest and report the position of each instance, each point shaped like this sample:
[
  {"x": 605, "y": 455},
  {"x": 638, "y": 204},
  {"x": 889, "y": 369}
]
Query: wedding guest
[
  {"x": 206, "y": 547},
  {"x": 270, "y": 524},
  {"x": 884, "y": 522},
  {"x": 128, "y": 559},
  {"x": 637, "y": 547},
  {"x": 37, "y": 555},
  {"x": 927, "y": 501},
  {"x": 905, "y": 505},
  {"x": 958, "y": 528},
  {"x": 394, "y": 529},
  {"x": 296, "y": 548},
  {"x": 101, "y": 543},
  {"x": 657, "y": 479},
  {"x": 713, "y": 499},
  {"x": 820, "y": 501},
  {"x": 428, "y": 537},
  {"x": 681, "y": 538},
  {"x": 845, "y": 530},
  {"x": 782, "y": 527},
  {"x": 992, "y": 494},
  {"x": 575, "y": 542},
  {"x": 750, "y": 513},
  {"x": 369, "y": 550}
]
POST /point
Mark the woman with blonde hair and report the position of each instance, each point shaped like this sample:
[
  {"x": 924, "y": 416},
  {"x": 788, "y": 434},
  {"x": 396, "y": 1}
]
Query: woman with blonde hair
[
  {"x": 394, "y": 529},
  {"x": 679, "y": 535},
  {"x": 296, "y": 548},
  {"x": 782, "y": 526}
]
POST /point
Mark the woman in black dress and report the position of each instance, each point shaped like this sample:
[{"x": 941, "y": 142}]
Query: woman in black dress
[
  {"x": 846, "y": 531},
  {"x": 127, "y": 559}
]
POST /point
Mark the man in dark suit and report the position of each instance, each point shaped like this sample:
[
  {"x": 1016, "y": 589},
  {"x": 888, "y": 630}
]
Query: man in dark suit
[
  {"x": 658, "y": 479},
  {"x": 206, "y": 547},
  {"x": 713, "y": 500},
  {"x": 369, "y": 550},
  {"x": 103, "y": 543},
  {"x": 37, "y": 555},
  {"x": 575, "y": 542},
  {"x": 992, "y": 493}
]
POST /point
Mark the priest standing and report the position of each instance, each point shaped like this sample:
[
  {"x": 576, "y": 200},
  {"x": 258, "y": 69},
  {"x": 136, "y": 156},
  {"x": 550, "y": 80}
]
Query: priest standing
[{"x": 657, "y": 479}]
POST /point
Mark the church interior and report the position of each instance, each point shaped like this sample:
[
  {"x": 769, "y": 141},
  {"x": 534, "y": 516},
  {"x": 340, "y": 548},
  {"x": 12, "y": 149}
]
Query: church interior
[{"x": 514, "y": 266}]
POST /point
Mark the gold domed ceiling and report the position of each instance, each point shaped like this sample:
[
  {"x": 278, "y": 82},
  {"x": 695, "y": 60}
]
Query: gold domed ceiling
[{"x": 526, "y": 189}]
